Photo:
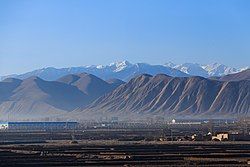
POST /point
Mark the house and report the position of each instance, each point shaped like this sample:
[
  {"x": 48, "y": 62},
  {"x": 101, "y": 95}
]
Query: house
[
  {"x": 221, "y": 136},
  {"x": 3, "y": 125}
]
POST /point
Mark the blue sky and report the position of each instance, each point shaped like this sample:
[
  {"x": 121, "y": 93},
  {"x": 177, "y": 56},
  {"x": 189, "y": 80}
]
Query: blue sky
[{"x": 61, "y": 33}]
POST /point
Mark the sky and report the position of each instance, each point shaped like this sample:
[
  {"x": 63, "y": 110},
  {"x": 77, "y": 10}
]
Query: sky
[{"x": 63, "y": 33}]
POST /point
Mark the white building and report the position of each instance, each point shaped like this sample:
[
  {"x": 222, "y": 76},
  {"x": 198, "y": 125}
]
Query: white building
[
  {"x": 220, "y": 136},
  {"x": 4, "y": 126}
]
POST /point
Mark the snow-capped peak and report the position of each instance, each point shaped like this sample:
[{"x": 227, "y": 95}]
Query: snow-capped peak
[
  {"x": 170, "y": 64},
  {"x": 192, "y": 69},
  {"x": 100, "y": 66},
  {"x": 124, "y": 70},
  {"x": 119, "y": 66},
  {"x": 244, "y": 68},
  {"x": 207, "y": 70},
  {"x": 216, "y": 69}
]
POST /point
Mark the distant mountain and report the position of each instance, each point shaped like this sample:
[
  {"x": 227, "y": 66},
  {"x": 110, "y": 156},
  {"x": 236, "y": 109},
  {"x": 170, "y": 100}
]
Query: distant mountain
[
  {"x": 208, "y": 70},
  {"x": 192, "y": 69},
  {"x": 120, "y": 70},
  {"x": 35, "y": 98},
  {"x": 217, "y": 69},
  {"x": 125, "y": 70},
  {"x": 183, "y": 97},
  {"x": 243, "y": 75}
]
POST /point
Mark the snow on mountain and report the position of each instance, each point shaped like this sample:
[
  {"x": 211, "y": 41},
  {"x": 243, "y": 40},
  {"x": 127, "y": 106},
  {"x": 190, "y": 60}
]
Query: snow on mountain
[
  {"x": 119, "y": 66},
  {"x": 244, "y": 68},
  {"x": 208, "y": 70},
  {"x": 217, "y": 69},
  {"x": 123, "y": 70},
  {"x": 192, "y": 69},
  {"x": 170, "y": 64}
]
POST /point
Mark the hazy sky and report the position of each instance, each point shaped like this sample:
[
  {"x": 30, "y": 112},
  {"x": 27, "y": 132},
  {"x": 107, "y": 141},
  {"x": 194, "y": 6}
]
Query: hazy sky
[{"x": 62, "y": 33}]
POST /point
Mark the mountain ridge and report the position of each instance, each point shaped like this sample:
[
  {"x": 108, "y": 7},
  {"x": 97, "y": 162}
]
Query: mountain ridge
[
  {"x": 125, "y": 70},
  {"x": 86, "y": 96},
  {"x": 205, "y": 70},
  {"x": 184, "y": 97},
  {"x": 35, "y": 98}
]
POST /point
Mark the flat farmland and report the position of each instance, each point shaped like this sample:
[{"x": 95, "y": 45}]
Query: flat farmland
[{"x": 125, "y": 153}]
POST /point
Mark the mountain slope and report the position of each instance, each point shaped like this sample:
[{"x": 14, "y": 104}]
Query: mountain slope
[
  {"x": 167, "y": 96},
  {"x": 7, "y": 86},
  {"x": 35, "y": 98}
]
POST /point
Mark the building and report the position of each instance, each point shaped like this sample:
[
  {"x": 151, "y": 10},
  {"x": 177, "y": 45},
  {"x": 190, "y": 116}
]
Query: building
[
  {"x": 221, "y": 136},
  {"x": 173, "y": 121},
  {"x": 40, "y": 125},
  {"x": 3, "y": 125}
]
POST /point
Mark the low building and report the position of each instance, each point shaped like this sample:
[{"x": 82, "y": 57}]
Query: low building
[
  {"x": 221, "y": 136},
  {"x": 3, "y": 125}
]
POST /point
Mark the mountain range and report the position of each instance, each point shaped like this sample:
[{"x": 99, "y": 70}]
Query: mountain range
[
  {"x": 35, "y": 98},
  {"x": 125, "y": 70},
  {"x": 183, "y": 97},
  {"x": 85, "y": 96},
  {"x": 207, "y": 70}
]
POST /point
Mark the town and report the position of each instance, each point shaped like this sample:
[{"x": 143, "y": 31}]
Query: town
[{"x": 152, "y": 129}]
